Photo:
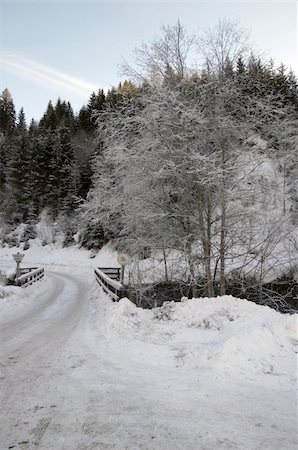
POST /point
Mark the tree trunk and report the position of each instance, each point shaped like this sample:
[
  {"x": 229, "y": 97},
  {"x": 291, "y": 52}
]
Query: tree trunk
[
  {"x": 284, "y": 189},
  {"x": 205, "y": 234},
  {"x": 191, "y": 266},
  {"x": 261, "y": 280},
  {"x": 222, "y": 249},
  {"x": 207, "y": 251},
  {"x": 165, "y": 262}
]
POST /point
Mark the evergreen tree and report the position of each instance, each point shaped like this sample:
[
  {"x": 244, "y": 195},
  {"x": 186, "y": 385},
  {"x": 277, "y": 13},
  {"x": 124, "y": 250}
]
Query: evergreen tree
[
  {"x": 18, "y": 170},
  {"x": 4, "y": 150},
  {"x": 67, "y": 172},
  {"x": 64, "y": 115},
  {"x": 240, "y": 66},
  {"x": 49, "y": 119},
  {"x": 96, "y": 101},
  {"x": 84, "y": 119},
  {"x": 21, "y": 126},
  {"x": 7, "y": 114},
  {"x": 87, "y": 114},
  {"x": 33, "y": 128},
  {"x": 38, "y": 174},
  {"x": 113, "y": 97}
]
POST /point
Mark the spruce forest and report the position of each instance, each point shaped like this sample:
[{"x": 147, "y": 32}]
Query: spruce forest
[{"x": 194, "y": 169}]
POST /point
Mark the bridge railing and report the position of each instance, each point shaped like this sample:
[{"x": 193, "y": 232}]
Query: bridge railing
[
  {"x": 29, "y": 276},
  {"x": 106, "y": 278},
  {"x": 111, "y": 272}
]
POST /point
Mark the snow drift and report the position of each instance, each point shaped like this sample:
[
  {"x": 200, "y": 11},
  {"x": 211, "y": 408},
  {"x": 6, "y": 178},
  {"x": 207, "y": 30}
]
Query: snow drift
[{"x": 221, "y": 336}]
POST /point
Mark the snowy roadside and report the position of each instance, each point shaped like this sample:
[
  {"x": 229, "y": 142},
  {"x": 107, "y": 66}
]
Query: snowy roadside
[
  {"x": 226, "y": 366},
  {"x": 53, "y": 257},
  {"x": 13, "y": 299},
  {"x": 220, "y": 337},
  {"x": 204, "y": 373},
  {"x": 227, "y": 336}
]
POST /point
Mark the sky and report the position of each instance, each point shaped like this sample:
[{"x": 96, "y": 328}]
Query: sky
[{"x": 67, "y": 49}]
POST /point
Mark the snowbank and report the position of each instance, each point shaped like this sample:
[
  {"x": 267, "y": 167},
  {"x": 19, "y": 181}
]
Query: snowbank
[
  {"x": 250, "y": 338},
  {"x": 13, "y": 298},
  {"x": 221, "y": 336}
]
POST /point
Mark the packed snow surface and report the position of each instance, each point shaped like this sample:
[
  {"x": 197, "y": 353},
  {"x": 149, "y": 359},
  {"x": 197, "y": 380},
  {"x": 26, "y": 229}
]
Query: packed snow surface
[{"x": 79, "y": 371}]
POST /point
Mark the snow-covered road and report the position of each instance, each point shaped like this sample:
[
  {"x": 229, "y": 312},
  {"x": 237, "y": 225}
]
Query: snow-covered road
[
  {"x": 65, "y": 385},
  {"x": 38, "y": 352}
]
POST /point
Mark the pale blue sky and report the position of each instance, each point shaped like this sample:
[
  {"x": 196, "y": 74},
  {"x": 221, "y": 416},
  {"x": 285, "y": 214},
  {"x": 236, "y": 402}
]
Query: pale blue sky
[{"x": 68, "y": 48}]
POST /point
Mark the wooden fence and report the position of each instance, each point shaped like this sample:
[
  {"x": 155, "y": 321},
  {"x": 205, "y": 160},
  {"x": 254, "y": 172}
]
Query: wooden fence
[
  {"x": 29, "y": 276},
  {"x": 108, "y": 279}
]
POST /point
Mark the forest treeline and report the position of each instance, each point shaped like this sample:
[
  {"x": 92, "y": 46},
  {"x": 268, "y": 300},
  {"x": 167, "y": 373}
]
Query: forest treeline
[
  {"x": 47, "y": 164},
  {"x": 175, "y": 157}
]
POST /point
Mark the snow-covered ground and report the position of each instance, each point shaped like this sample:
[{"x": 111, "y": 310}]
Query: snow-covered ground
[
  {"x": 81, "y": 372},
  {"x": 54, "y": 257}
]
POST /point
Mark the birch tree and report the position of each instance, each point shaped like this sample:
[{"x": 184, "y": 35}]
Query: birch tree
[{"x": 221, "y": 47}]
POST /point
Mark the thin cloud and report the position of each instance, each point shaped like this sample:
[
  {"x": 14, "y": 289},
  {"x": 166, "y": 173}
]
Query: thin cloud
[{"x": 45, "y": 75}]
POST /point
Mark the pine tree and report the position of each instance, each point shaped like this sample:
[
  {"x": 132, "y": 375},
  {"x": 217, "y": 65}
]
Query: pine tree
[
  {"x": 33, "y": 128},
  {"x": 84, "y": 119},
  {"x": 21, "y": 126},
  {"x": 64, "y": 115},
  {"x": 38, "y": 173},
  {"x": 7, "y": 114},
  {"x": 49, "y": 119},
  {"x": 3, "y": 166},
  {"x": 240, "y": 66},
  {"x": 18, "y": 170},
  {"x": 66, "y": 164},
  {"x": 292, "y": 91},
  {"x": 95, "y": 105},
  {"x": 113, "y": 97}
]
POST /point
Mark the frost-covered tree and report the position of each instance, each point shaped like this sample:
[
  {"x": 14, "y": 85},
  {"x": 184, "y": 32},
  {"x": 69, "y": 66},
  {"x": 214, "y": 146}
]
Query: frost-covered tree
[
  {"x": 223, "y": 46},
  {"x": 171, "y": 52},
  {"x": 173, "y": 167}
]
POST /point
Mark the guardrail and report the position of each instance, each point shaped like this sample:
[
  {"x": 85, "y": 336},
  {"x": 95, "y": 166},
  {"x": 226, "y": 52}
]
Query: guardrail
[
  {"x": 110, "y": 285},
  {"x": 29, "y": 276},
  {"x": 111, "y": 272}
]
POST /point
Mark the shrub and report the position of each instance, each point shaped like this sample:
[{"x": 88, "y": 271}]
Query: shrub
[
  {"x": 26, "y": 245},
  {"x": 29, "y": 232}
]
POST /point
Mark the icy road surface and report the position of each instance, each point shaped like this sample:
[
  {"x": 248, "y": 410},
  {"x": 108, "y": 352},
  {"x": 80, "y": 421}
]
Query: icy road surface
[{"x": 66, "y": 385}]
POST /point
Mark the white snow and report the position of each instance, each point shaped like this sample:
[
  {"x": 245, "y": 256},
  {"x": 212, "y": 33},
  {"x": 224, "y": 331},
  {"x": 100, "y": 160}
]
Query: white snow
[
  {"x": 219, "y": 336},
  {"x": 84, "y": 372},
  {"x": 54, "y": 257},
  {"x": 13, "y": 299}
]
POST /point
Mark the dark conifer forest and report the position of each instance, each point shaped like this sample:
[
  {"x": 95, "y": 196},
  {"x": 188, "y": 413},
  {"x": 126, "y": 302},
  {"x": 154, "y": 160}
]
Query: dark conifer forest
[{"x": 48, "y": 164}]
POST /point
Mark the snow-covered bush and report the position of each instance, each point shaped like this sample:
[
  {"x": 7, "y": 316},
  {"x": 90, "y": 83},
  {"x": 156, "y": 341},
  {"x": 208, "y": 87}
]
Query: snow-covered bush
[
  {"x": 12, "y": 240},
  {"x": 92, "y": 236},
  {"x": 26, "y": 245},
  {"x": 68, "y": 239},
  {"x": 29, "y": 232}
]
